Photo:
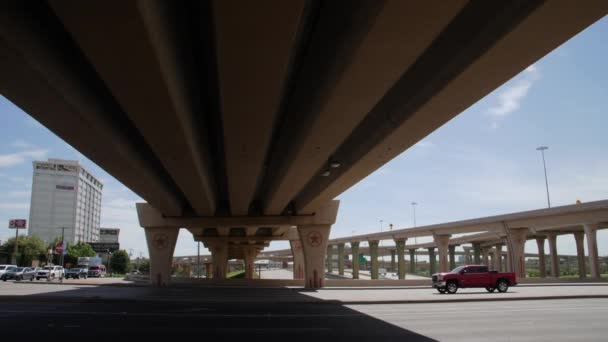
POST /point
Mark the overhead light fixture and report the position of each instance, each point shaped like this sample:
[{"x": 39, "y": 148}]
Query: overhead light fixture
[
  {"x": 326, "y": 173},
  {"x": 335, "y": 164}
]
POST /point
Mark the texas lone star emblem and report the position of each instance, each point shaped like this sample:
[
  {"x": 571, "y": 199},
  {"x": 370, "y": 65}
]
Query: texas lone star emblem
[
  {"x": 160, "y": 241},
  {"x": 315, "y": 238}
]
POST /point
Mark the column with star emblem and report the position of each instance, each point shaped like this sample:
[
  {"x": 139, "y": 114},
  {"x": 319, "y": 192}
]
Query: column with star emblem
[
  {"x": 161, "y": 245},
  {"x": 314, "y": 245}
]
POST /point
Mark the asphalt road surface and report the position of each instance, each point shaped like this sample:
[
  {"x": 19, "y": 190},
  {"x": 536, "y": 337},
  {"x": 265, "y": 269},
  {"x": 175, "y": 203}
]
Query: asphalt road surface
[{"x": 537, "y": 320}]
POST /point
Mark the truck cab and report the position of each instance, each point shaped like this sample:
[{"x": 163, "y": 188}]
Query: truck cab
[{"x": 473, "y": 276}]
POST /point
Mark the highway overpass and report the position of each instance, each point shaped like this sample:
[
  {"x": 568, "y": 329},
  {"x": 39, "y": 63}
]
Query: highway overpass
[{"x": 239, "y": 120}]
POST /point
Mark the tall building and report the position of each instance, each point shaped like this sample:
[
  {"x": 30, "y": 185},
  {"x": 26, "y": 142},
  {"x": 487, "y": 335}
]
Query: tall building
[{"x": 65, "y": 196}]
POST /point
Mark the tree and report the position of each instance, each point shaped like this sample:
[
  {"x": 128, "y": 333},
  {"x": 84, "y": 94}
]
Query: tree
[
  {"x": 120, "y": 262},
  {"x": 81, "y": 249},
  {"x": 144, "y": 266},
  {"x": 30, "y": 248}
]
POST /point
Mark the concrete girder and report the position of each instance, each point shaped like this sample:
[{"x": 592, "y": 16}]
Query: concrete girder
[{"x": 166, "y": 113}]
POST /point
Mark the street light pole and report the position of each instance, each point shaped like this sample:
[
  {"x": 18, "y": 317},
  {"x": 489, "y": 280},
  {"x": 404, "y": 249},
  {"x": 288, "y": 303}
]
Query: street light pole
[
  {"x": 542, "y": 152},
  {"x": 198, "y": 259},
  {"x": 414, "y": 204}
]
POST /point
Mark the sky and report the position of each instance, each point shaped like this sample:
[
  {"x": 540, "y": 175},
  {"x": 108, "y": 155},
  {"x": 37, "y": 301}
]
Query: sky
[{"x": 483, "y": 162}]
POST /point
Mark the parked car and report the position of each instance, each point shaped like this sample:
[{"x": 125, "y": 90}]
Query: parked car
[
  {"x": 4, "y": 268},
  {"x": 12, "y": 273},
  {"x": 97, "y": 271},
  {"x": 473, "y": 276},
  {"x": 77, "y": 273},
  {"x": 50, "y": 273},
  {"x": 29, "y": 273}
]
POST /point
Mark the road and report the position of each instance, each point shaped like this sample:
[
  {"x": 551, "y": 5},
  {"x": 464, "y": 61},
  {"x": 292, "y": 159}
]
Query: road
[{"x": 540, "y": 320}]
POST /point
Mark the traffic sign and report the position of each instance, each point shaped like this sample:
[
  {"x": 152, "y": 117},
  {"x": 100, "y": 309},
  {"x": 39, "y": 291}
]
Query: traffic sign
[
  {"x": 60, "y": 248},
  {"x": 17, "y": 223}
]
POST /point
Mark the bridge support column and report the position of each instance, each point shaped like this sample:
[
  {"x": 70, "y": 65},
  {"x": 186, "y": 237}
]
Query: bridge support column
[
  {"x": 400, "y": 246},
  {"x": 442, "y": 242},
  {"x": 314, "y": 244},
  {"x": 579, "y": 238},
  {"x": 250, "y": 253},
  {"x": 341, "y": 259},
  {"x": 298, "y": 259},
  {"x": 477, "y": 253},
  {"x": 219, "y": 255},
  {"x": 373, "y": 254},
  {"x": 393, "y": 252},
  {"x": 498, "y": 257},
  {"x": 161, "y": 245},
  {"x": 208, "y": 270},
  {"x": 552, "y": 237},
  {"x": 486, "y": 256},
  {"x": 354, "y": 249},
  {"x": 330, "y": 259},
  {"x": 452, "y": 252},
  {"x": 594, "y": 261},
  {"x": 432, "y": 261},
  {"x": 467, "y": 255},
  {"x": 412, "y": 261},
  {"x": 517, "y": 240},
  {"x": 542, "y": 268}
]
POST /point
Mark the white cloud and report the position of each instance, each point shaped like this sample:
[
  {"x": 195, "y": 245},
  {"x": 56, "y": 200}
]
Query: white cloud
[
  {"x": 510, "y": 98},
  {"x": 12, "y": 159},
  {"x": 20, "y": 143}
]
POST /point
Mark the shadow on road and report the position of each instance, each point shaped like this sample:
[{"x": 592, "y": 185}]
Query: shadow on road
[{"x": 213, "y": 314}]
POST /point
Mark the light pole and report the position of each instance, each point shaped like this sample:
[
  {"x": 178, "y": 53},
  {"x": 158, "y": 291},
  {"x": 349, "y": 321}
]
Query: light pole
[
  {"x": 542, "y": 152},
  {"x": 198, "y": 259},
  {"x": 414, "y": 204}
]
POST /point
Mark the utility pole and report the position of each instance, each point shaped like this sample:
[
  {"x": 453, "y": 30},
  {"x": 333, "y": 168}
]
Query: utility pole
[
  {"x": 542, "y": 152},
  {"x": 16, "y": 248},
  {"x": 64, "y": 246},
  {"x": 198, "y": 259}
]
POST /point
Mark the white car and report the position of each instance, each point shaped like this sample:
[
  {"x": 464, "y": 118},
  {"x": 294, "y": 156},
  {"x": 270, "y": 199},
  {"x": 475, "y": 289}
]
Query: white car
[
  {"x": 4, "y": 268},
  {"x": 50, "y": 273}
]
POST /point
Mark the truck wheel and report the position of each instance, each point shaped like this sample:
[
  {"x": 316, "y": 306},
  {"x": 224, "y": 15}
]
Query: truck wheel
[
  {"x": 452, "y": 287},
  {"x": 37, "y": 278},
  {"x": 502, "y": 285},
  {"x": 490, "y": 289},
  {"x": 441, "y": 290}
]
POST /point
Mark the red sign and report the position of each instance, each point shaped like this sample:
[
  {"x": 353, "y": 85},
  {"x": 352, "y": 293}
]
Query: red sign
[
  {"x": 64, "y": 187},
  {"x": 17, "y": 223},
  {"x": 60, "y": 247}
]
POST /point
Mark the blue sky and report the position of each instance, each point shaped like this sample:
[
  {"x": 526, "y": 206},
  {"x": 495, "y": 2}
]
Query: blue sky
[{"x": 483, "y": 162}]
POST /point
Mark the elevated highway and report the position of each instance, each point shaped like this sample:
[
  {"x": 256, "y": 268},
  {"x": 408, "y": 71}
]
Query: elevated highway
[{"x": 238, "y": 120}]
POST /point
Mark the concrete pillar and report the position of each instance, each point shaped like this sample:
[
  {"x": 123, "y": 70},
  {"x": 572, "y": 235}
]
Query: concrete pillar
[
  {"x": 467, "y": 255},
  {"x": 540, "y": 242},
  {"x": 517, "y": 241},
  {"x": 552, "y": 237},
  {"x": 498, "y": 257},
  {"x": 341, "y": 259},
  {"x": 485, "y": 252},
  {"x": 354, "y": 249},
  {"x": 219, "y": 255},
  {"x": 442, "y": 241},
  {"x": 250, "y": 253},
  {"x": 330, "y": 259},
  {"x": 594, "y": 261},
  {"x": 393, "y": 252},
  {"x": 314, "y": 244},
  {"x": 373, "y": 254},
  {"x": 298, "y": 259},
  {"x": 400, "y": 246},
  {"x": 477, "y": 253},
  {"x": 161, "y": 245},
  {"x": 508, "y": 261},
  {"x": 579, "y": 238},
  {"x": 452, "y": 253},
  {"x": 209, "y": 270},
  {"x": 412, "y": 261},
  {"x": 432, "y": 261}
]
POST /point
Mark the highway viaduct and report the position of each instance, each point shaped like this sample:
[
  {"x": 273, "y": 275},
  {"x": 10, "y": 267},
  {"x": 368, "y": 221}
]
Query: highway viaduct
[{"x": 240, "y": 120}]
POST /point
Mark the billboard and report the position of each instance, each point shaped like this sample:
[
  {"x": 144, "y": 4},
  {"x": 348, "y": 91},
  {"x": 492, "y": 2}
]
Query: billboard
[
  {"x": 17, "y": 223},
  {"x": 103, "y": 247}
]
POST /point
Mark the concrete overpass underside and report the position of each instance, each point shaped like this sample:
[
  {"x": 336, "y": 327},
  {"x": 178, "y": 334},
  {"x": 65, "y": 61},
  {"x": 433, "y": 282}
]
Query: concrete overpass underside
[{"x": 239, "y": 120}]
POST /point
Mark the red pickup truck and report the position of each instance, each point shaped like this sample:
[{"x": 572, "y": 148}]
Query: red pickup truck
[{"x": 473, "y": 276}]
